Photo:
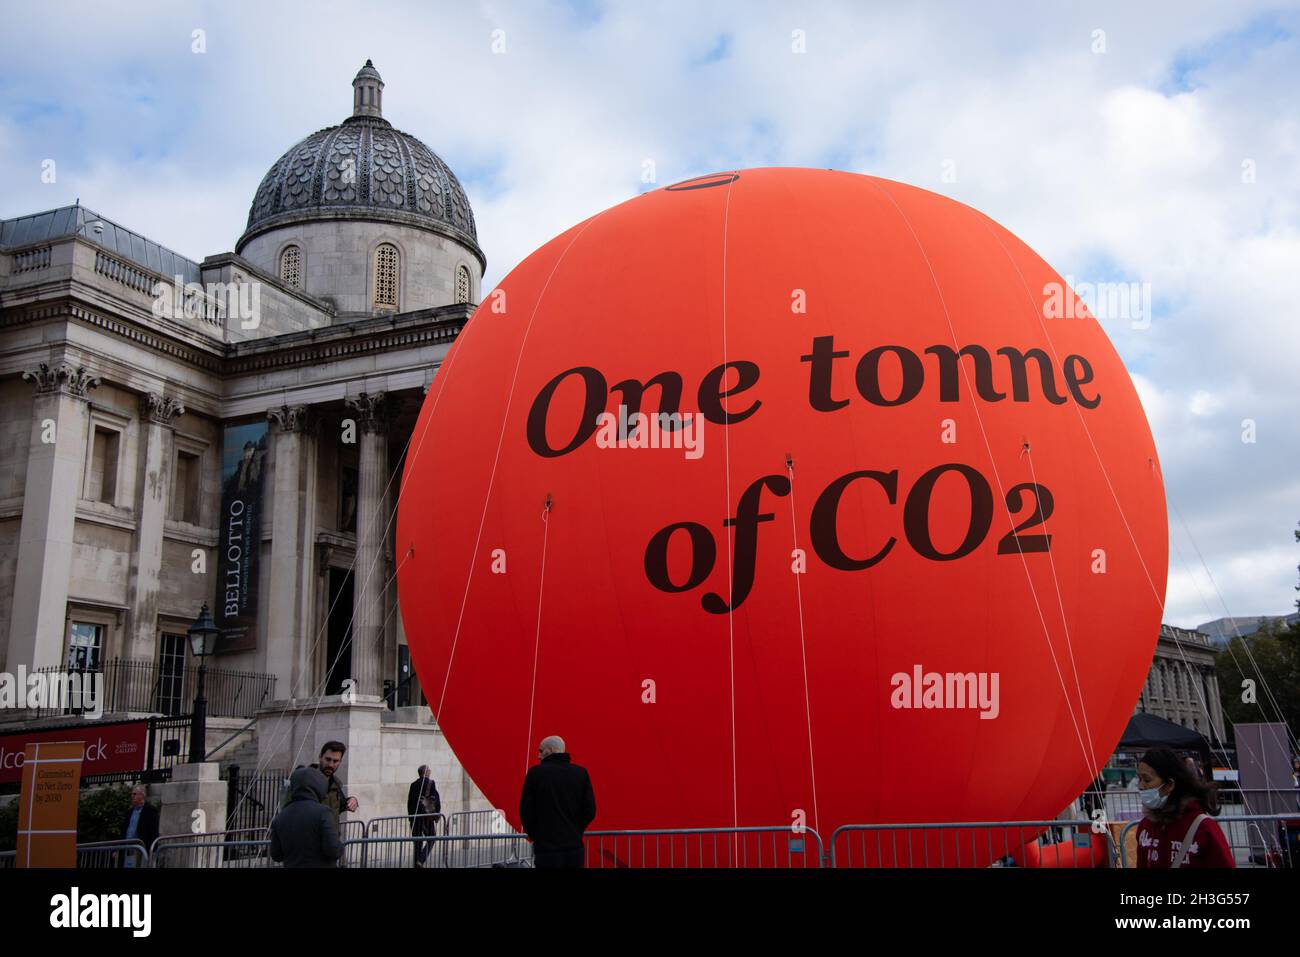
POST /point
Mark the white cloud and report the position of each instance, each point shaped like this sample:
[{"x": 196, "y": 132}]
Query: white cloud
[{"x": 1126, "y": 165}]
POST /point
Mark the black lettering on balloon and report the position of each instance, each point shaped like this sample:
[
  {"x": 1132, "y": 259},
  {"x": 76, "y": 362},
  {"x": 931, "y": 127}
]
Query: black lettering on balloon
[
  {"x": 593, "y": 404},
  {"x": 1073, "y": 380},
  {"x": 823, "y": 525},
  {"x": 711, "y": 393},
  {"x": 1017, "y": 360},
  {"x": 670, "y": 398},
  {"x": 703, "y": 554},
  {"x": 746, "y": 523},
  {"x": 1043, "y": 506},
  {"x": 868, "y": 375},
  {"x": 948, "y": 378},
  {"x": 821, "y": 358},
  {"x": 916, "y": 512}
]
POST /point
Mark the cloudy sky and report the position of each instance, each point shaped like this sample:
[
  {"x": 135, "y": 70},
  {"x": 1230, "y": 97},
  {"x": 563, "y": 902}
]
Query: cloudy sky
[{"x": 1153, "y": 143}]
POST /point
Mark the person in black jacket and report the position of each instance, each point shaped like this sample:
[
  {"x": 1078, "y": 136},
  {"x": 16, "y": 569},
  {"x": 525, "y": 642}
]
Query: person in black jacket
[
  {"x": 556, "y": 806},
  {"x": 304, "y": 834},
  {"x": 422, "y": 803},
  {"x": 141, "y": 824}
]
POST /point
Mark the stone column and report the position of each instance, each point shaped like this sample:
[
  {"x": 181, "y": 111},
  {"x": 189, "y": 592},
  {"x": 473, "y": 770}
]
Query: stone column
[
  {"x": 293, "y": 532},
  {"x": 305, "y": 675},
  {"x": 56, "y": 465},
  {"x": 370, "y": 572},
  {"x": 193, "y": 787},
  {"x": 1215, "y": 704},
  {"x": 157, "y": 413}
]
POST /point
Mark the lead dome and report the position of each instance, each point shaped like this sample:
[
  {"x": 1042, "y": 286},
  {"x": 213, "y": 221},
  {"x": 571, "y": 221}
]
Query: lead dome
[{"x": 346, "y": 190}]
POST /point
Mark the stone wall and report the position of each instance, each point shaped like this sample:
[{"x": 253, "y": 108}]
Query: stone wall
[
  {"x": 273, "y": 310},
  {"x": 338, "y": 262}
]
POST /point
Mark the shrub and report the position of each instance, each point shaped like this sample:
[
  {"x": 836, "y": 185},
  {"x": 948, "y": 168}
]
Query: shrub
[{"x": 100, "y": 814}]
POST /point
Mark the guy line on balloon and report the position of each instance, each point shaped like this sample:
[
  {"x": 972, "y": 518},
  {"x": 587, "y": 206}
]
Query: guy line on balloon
[
  {"x": 579, "y": 407},
  {"x": 732, "y": 378}
]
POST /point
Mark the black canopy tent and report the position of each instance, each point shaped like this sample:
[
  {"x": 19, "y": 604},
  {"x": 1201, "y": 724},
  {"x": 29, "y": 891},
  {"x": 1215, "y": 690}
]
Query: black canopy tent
[{"x": 1152, "y": 731}]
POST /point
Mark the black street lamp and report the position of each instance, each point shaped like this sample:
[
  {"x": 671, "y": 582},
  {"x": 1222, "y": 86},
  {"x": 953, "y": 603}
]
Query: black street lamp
[{"x": 203, "y": 642}]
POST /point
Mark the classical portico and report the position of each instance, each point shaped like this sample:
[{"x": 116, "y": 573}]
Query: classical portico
[{"x": 140, "y": 390}]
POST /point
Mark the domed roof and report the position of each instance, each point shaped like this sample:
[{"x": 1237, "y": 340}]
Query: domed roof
[{"x": 363, "y": 169}]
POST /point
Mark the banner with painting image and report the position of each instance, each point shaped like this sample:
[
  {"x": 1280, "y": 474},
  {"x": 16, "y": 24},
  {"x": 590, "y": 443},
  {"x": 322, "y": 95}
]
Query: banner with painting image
[{"x": 243, "y": 462}]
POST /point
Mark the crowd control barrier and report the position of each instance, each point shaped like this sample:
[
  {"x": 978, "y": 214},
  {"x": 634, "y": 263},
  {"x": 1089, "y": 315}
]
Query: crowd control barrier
[
  {"x": 781, "y": 847},
  {"x": 1069, "y": 843}
]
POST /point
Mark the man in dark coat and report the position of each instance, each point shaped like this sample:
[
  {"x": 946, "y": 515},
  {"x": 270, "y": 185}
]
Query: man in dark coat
[
  {"x": 304, "y": 833},
  {"x": 556, "y": 806},
  {"x": 141, "y": 824},
  {"x": 422, "y": 803}
]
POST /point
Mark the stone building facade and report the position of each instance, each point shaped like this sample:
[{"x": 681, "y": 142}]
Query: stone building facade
[
  {"x": 1182, "y": 685},
  {"x": 123, "y": 368}
]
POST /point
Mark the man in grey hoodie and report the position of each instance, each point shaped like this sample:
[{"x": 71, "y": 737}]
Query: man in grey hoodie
[{"x": 304, "y": 834}]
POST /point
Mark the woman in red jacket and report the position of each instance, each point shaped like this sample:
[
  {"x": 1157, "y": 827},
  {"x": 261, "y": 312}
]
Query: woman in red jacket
[{"x": 1177, "y": 807}]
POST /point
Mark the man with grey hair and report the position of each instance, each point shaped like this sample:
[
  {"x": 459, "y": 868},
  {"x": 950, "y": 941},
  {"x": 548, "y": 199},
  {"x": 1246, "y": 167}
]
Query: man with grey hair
[
  {"x": 556, "y": 806},
  {"x": 141, "y": 824}
]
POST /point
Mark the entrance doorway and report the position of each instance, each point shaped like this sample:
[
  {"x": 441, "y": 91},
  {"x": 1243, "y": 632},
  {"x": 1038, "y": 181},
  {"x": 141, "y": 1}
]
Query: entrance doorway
[{"x": 338, "y": 644}]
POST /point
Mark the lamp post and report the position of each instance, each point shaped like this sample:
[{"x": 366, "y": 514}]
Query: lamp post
[{"x": 203, "y": 642}]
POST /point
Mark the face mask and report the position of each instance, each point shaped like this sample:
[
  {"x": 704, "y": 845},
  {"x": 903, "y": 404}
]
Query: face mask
[{"x": 1152, "y": 798}]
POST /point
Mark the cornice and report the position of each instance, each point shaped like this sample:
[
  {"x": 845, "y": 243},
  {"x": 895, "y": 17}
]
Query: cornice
[{"x": 310, "y": 347}]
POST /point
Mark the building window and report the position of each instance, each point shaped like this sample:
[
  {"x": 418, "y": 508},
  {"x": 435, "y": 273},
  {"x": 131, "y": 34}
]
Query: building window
[
  {"x": 101, "y": 477},
  {"x": 171, "y": 674},
  {"x": 85, "y": 656},
  {"x": 386, "y": 276},
  {"x": 185, "y": 489},
  {"x": 462, "y": 284},
  {"x": 85, "y": 646},
  {"x": 291, "y": 265}
]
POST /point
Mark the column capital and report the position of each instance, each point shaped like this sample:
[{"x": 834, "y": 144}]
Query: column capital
[
  {"x": 372, "y": 410},
  {"x": 159, "y": 408},
  {"x": 292, "y": 418},
  {"x": 62, "y": 378}
]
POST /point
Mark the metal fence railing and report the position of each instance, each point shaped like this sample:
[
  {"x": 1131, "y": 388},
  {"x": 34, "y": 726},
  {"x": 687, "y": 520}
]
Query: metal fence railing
[
  {"x": 1271, "y": 841},
  {"x": 352, "y": 830},
  {"x": 146, "y": 686},
  {"x": 491, "y": 821},
  {"x": 1123, "y": 804},
  {"x": 101, "y": 854},
  {"x": 395, "y": 855},
  {"x": 223, "y": 854},
  {"x": 1256, "y": 840},
  {"x": 495, "y": 842},
  {"x": 447, "y": 851},
  {"x": 239, "y": 847},
  {"x": 1070, "y": 843},
  {"x": 781, "y": 847},
  {"x": 253, "y": 797}
]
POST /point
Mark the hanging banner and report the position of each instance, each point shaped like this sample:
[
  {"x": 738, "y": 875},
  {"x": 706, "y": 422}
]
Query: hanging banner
[
  {"x": 47, "y": 806},
  {"x": 110, "y": 747},
  {"x": 242, "y": 463}
]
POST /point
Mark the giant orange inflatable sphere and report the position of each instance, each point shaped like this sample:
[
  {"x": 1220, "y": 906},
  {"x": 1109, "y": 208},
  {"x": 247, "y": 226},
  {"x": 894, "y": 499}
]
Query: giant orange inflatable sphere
[{"x": 785, "y": 496}]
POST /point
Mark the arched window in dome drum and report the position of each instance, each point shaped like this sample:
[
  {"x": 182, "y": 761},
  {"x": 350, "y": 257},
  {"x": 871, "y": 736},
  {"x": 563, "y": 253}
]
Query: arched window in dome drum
[
  {"x": 387, "y": 264},
  {"x": 291, "y": 266},
  {"x": 462, "y": 284}
]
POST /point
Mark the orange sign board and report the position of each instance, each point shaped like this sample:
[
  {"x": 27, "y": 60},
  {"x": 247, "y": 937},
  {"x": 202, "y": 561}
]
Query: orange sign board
[{"x": 47, "y": 806}]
